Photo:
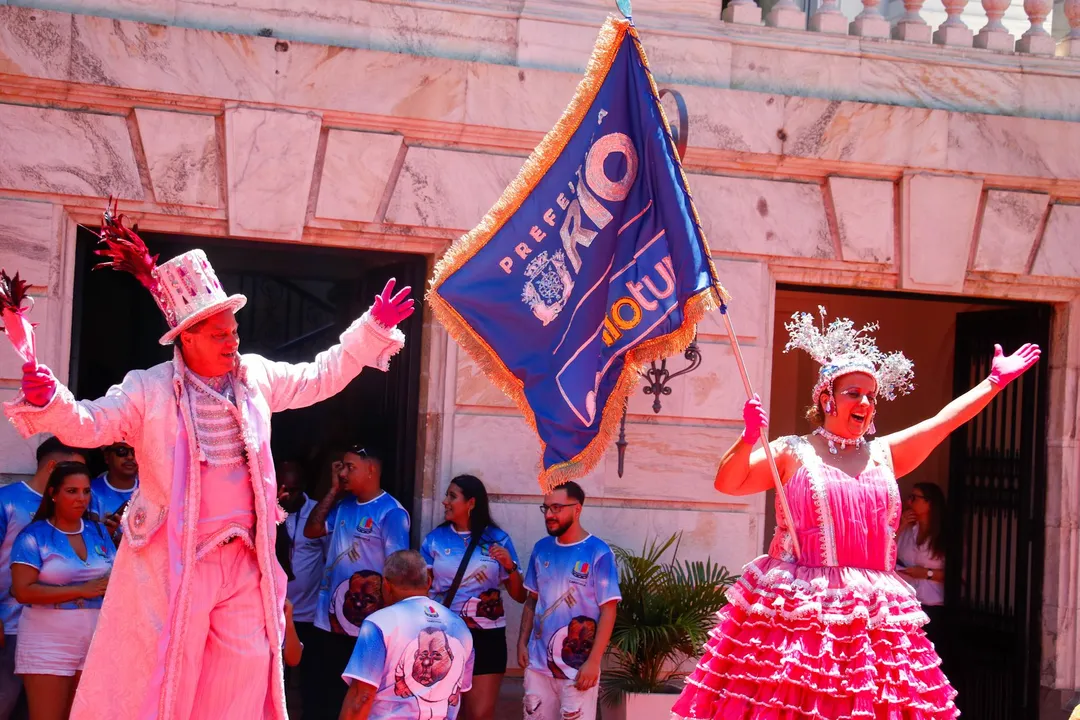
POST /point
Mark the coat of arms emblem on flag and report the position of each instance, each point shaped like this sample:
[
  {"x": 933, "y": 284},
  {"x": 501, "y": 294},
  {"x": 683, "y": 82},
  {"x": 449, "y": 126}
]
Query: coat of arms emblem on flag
[{"x": 590, "y": 265}]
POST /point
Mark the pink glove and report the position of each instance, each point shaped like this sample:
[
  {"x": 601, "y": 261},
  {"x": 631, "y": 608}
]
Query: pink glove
[
  {"x": 38, "y": 384},
  {"x": 1003, "y": 370},
  {"x": 389, "y": 311},
  {"x": 755, "y": 419}
]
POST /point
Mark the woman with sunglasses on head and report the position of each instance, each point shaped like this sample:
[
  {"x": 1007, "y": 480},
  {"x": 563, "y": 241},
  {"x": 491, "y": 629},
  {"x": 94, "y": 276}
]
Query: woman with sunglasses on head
[
  {"x": 472, "y": 559},
  {"x": 823, "y": 626},
  {"x": 920, "y": 553},
  {"x": 60, "y": 567}
]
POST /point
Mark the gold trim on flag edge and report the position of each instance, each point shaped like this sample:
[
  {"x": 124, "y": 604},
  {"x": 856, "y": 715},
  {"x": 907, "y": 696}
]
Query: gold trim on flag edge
[{"x": 535, "y": 168}]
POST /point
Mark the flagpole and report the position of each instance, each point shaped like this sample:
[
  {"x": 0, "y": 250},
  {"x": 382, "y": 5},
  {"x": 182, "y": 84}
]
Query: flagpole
[{"x": 784, "y": 507}]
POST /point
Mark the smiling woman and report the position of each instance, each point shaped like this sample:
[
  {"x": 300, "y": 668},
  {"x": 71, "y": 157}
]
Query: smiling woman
[
  {"x": 60, "y": 568},
  {"x": 840, "y": 613}
]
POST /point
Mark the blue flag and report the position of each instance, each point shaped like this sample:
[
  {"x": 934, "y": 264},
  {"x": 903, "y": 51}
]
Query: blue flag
[{"x": 590, "y": 265}]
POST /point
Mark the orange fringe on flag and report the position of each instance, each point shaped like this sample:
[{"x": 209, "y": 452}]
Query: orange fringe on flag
[{"x": 535, "y": 168}]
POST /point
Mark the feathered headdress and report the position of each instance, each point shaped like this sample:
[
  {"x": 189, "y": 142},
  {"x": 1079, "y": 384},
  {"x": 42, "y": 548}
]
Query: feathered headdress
[
  {"x": 185, "y": 288},
  {"x": 841, "y": 349},
  {"x": 13, "y": 294},
  {"x": 125, "y": 251}
]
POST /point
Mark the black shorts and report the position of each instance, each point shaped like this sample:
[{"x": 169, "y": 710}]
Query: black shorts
[{"x": 490, "y": 649}]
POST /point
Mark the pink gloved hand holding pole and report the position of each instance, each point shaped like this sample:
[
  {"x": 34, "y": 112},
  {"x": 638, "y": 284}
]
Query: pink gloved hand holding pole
[
  {"x": 390, "y": 309},
  {"x": 755, "y": 419},
  {"x": 1006, "y": 368}
]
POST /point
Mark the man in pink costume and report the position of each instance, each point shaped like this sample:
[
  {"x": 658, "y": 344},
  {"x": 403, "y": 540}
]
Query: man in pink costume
[{"x": 194, "y": 612}]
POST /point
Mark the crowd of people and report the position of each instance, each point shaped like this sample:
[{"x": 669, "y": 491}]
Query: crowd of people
[{"x": 373, "y": 629}]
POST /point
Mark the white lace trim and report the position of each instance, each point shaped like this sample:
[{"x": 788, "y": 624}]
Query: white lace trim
[
  {"x": 210, "y": 543},
  {"x": 812, "y": 463},
  {"x": 880, "y": 453}
]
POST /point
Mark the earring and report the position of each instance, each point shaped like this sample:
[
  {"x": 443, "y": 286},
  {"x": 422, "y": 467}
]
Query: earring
[
  {"x": 872, "y": 429},
  {"x": 828, "y": 406}
]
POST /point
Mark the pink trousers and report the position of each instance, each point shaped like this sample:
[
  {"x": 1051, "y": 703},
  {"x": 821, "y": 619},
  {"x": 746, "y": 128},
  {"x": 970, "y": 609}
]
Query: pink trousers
[{"x": 227, "y": 656}]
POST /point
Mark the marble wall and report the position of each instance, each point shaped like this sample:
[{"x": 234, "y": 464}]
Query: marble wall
[{"x": 813, "y": 162}]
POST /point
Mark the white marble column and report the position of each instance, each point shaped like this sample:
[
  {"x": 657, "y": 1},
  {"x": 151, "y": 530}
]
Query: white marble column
[
  {"x": 1037, "y": 40},
  {"x": 994, "y": 35},
  {"x": 1071, "y": 44},
  {"x": 743, "y": 12},
  {"x": 786, "y": 14},
  {"x": 1061, "y": 609},
  {"x": 829, "y": 19},
  {"x": 912, "y": 27},
  {"x": 870, "y": 22},
  {"x": 953, "y": 31}
]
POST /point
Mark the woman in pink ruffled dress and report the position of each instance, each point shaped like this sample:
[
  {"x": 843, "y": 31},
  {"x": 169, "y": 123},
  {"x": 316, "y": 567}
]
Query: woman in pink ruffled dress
[{"x": 834, "y": 633}]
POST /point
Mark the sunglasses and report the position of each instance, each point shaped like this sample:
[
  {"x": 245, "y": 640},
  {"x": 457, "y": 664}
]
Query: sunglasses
[
  {"x": 913, "y": 496},
  {"x": 121, "y": 451},
  {"x": 357, "y": 450}
]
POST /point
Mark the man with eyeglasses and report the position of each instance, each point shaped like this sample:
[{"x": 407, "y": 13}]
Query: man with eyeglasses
[
  {"x": 365, "y": 525},
  {"x": 111, "y": 491},
  {"x": 573, "y": 584}
]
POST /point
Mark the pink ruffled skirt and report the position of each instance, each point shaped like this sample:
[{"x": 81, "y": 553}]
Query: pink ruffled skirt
[{"x": 829, "y": 643}]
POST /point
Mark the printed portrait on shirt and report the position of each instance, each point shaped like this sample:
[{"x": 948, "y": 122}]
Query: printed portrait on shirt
[
  {"x": 430, "y": 670},
  {"x": 570, "y": 647},
  {"x": 485, "y": 611},
  {"x": 354, "y": 600}
]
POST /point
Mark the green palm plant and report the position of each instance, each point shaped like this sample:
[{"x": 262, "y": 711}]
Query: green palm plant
[{"x": 665, "y": 614}]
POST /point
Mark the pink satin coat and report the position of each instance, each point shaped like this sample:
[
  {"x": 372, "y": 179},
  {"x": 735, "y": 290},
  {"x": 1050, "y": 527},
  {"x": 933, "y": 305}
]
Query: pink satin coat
[{"x": 134, "y": 660}]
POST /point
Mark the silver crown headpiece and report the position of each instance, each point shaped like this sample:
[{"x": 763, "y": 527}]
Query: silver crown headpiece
[{"x": 840, "y": 349}]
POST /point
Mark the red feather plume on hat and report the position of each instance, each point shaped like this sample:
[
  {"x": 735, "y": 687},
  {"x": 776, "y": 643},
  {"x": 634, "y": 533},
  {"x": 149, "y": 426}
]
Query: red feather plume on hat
[
  {"x": 14, "y": 291},
  {"x": 126, "y": 251}
]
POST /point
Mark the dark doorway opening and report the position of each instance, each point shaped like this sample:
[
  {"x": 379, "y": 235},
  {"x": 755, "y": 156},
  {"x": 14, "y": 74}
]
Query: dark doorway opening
[{"x": 300, "y": 299}]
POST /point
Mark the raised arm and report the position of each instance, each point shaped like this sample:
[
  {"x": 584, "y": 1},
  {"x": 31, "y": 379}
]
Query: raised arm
[
  {"x": 744, "y": 470},
  {"x": 45, "y": 405},
  {"x": 911, "y": 446},
  {"x": 369, "y": 342}
]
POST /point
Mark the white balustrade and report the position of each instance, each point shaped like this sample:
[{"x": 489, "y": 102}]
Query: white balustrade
[
  {"x": 1036, "y": 40},
  {"x": 953, "y": 31},
  {"x": 870, "y": 22},
  {"x": 744, "y": 12},
  {"x": 994, "y": 35},
  {"x": 786, "y": 14},
  {"x": 912, "y": 27},
  {"x": 829, "y": 18},
  {"x": 1071, "y": 44}
]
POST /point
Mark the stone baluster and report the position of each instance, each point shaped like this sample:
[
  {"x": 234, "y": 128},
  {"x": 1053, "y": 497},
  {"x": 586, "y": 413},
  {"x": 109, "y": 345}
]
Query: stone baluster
[
  {"x": 994, "y": 35},
  {"x": 786, "y": 14},
  {"x": 870, "y": 22},
  {"x": 744, "y": 12},
  {"x": 1036, "y": 40},
  {"x": 953, "y": 31},
  {"x": 1071, "y": 44},
  {"x": 829, "y": 18},
  {"x": 912, "y": 27}
]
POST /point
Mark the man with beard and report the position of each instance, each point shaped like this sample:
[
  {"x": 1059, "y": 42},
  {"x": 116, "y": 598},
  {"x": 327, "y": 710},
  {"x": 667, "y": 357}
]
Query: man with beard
[
  {"x": 304, "y": 559},
  {"x": 573, "y": 585},
  {"x": 365, "y": 526},
  {"x": 111, "y": 491},
  {"x": 412, "y": 659}
]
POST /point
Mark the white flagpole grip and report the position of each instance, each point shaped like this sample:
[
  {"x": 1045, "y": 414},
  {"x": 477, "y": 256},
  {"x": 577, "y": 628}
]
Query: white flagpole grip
[{"x": 764, "y": 437}]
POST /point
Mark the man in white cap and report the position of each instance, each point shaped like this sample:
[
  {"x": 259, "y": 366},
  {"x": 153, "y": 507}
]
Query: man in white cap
[{"x": 194, "y": 612}]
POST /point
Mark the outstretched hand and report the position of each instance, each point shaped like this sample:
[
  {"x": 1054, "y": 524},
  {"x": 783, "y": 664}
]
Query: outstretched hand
[
  {"x": 390, "y": 309},
  {"x": 1006, "y": 368},
  {"x": 755, "y": 420},
  {"x": 38, "y": 384}
]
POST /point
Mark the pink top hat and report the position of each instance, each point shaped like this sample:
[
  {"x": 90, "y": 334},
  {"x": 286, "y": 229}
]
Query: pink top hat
[
  {"x": 186, "y": 288},
  {"x": 190, "y": 293}
]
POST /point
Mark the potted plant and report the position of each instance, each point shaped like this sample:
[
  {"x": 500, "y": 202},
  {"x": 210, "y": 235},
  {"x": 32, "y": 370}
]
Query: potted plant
[{"x": 665, "y": 614}]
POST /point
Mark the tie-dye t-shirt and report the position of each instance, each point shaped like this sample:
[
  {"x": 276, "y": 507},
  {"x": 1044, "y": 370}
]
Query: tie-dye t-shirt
[
  {"x": 105, "y": 499},
  {"x": 479, "y": 597},
  {"x": 18, "y": 503},
  {"x": 44, "y": 547},
  {"x": 571, "y": 583},
  {"x": 420, "y": 657},
  {"x": 362, "y": 536}
]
